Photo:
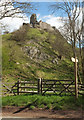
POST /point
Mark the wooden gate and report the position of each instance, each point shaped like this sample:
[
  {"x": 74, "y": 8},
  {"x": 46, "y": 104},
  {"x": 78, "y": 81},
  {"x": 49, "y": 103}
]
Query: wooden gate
[
  {"x": 59, "y": 87},
  {"x": 21, "y": 87},
  {"x": 81, "y": 89},
  {"x": 8, "y": 88},
  {"x": 27, "y": 87},
  {"x": 44, "y": 86}
]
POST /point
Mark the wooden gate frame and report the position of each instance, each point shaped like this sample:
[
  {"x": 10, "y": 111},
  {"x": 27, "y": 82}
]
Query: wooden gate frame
[
  {"x": 55, "y": 81},
  {"x": 50, "y": 87}
]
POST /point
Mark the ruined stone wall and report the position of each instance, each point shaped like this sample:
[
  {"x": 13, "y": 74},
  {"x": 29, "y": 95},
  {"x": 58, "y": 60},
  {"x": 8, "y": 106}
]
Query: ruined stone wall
[
  {"x": 40, "y": 24},
  {"x": 33, "y": 20},
  {"x": 45, "y": 26}
]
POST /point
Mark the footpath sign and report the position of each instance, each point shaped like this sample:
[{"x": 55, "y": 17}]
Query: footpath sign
[{"x": 75, "y": 60}]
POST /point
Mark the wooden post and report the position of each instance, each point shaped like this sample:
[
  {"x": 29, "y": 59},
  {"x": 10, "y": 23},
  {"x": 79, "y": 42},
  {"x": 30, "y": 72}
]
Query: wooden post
[
  {"x": 76, "y": 84},
  {"x": 39, "y": 85},
  {"x": 18, "y": 87}
]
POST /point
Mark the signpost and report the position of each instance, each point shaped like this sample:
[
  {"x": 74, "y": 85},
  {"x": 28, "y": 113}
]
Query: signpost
[{"x": 75, "y": 60}]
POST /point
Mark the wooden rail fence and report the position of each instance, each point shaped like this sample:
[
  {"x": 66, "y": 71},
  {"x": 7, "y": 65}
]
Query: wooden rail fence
[
  {"x": 43, "y": 86},
  {"x": 80, "y": 89},
  {"x": 59, "y": 87}
]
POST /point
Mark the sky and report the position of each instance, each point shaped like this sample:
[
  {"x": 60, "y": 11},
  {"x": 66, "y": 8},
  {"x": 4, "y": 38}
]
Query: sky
[
  {"x": 44, "y": 9},
  {"x": 43, "y": 13}
]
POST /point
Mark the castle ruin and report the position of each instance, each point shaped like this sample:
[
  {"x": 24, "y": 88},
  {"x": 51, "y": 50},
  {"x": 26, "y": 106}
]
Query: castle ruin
[{"x": 40, "y": 24}]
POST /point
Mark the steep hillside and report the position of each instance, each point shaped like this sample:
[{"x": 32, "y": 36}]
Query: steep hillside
[{"x": 31, "y": 53}]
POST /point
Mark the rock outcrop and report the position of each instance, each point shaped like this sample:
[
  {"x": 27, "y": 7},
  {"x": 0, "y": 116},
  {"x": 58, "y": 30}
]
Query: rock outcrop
[{"x": 36, "y": 54}]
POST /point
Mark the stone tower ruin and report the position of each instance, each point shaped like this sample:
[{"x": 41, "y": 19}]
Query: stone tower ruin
[
  {"x": 33, "y": 20},
  {"x": 40, "y": 24}
]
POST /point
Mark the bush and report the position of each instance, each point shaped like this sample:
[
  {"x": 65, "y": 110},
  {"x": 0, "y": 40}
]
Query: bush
[
  {"x": 41, "y": 106},
  {"x": 57, "y": 107},
  {"x": 20, "y": 34},
  {"x": 6, "y": 36},
  {"x": 49, "y": 106},
  {"x": 32, "y": 107}
]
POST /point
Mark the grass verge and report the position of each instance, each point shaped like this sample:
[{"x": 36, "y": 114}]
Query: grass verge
[{"x": 46, "y": 102}]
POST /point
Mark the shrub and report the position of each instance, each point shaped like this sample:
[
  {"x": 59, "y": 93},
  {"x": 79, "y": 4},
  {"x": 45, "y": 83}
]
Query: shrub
[
  {"x": 32, "y": 107},
  {"x": 49, "y": 106},
  {"x": 6, "y": 36},
  {"x": 20, "y": 34},
  {"x": 41, "y": 106},
  {"x": 57, "y": 107}
]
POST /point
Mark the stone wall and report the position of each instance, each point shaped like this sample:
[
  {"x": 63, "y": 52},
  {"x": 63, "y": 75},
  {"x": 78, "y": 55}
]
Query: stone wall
[
  {"x": 40, "y": 24},
  {"x": 33, "y": 20},
  {"x": 45, "y": 26}
]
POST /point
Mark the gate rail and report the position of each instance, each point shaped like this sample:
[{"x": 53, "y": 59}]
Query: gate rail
[
  {"x": 44, "y": 86},
  {"x": 58, "y": 87}
]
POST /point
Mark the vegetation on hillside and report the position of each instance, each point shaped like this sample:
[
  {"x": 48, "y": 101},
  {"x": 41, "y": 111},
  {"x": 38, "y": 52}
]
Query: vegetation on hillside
[
  {"x": 30, "y": 53},
  {"x": 46, "y": 102}
]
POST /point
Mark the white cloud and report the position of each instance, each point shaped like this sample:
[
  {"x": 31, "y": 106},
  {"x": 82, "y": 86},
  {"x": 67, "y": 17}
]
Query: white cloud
[
  {"x": 48, "y": 16},
  {"x": 59, "y": 21},
  {"x": 39, "y": 0},
  {"x": 49, "y": 0},
  {"x": 38, "y": 15},
  {"x": 12, "y": 23},
  {"x": 4, "y": 1},
  {"x": 54, "y": 21}
]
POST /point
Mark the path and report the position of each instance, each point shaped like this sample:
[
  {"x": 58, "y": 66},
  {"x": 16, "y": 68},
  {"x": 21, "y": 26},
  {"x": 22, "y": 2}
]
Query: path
[{"x": 11, "y": 112}]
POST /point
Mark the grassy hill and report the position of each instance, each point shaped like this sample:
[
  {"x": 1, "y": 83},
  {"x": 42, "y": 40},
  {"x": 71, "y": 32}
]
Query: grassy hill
[{"x": 31, "y": 53}]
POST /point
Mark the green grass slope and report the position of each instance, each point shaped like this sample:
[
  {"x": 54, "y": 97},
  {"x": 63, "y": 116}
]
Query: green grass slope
[{"x": 31, "y": 53}]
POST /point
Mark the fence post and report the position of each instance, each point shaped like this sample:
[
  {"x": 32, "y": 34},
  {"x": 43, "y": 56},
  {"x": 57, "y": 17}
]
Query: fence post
[
  {"x": 18, "y": 87},
  {"x": 39, "y": 86},
  {"x": 76, "y": 79}
]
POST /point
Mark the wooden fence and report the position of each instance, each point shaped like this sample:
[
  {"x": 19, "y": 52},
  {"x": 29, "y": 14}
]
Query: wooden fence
[
  {"x": 80, "y": 89},
  {"x": 20, "y": 87},
  {"x": 59, "y": 87},
  {"x": 43, "y": 86}
]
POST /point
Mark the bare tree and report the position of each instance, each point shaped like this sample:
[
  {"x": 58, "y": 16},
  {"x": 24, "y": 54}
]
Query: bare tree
[
  {"x": 68, "y": 34},
  {"x": 73, "y": 27},
  {"x": 83, "y": 38},
  {"x": 10, "y": 8},
  {"x": 73, "y": 10},
  {"x": 14, "y": 9}
]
